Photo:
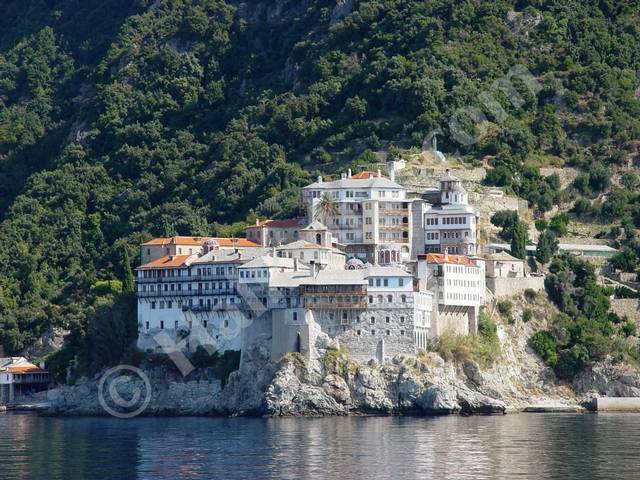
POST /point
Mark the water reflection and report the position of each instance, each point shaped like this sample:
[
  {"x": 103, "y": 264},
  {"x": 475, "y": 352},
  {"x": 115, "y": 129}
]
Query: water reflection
[{"x": 500, "y": 447}]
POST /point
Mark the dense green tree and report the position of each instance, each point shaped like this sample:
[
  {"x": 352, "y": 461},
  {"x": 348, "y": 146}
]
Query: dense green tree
[
  {"x": 128, "y": 283},
  {"x": 125, "y": 119},
  {"x": 519, "y": 239},
  {"x": 547, "y": 247}
]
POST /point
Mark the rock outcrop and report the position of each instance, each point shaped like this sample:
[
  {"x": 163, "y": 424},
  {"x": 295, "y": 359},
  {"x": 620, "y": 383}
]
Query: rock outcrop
[{"x": 330, "y": 383}]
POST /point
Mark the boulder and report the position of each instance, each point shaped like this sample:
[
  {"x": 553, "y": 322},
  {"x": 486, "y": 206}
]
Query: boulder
[{"x": 438, "y": 400}]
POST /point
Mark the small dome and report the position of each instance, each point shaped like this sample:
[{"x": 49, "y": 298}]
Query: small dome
[{"x": 354, "y": 264}]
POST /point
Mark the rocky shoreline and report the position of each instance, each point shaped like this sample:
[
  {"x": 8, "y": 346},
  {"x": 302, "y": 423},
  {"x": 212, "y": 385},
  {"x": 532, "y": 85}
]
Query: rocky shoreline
[{"x": 423, "y": 385}]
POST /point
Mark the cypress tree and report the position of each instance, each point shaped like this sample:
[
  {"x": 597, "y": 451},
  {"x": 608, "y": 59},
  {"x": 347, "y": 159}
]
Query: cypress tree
[
  {"x": 519, "y": 239},
  {"x": 547, "y": 247},
  {"x": 128, "y": 285}
]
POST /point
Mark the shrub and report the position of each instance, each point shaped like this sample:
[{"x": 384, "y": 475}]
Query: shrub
[
  {"x": 541, "y": 225},
  {"x": 222, "y": 365},
  {"x": 451, "y": 346},
  {"x": 483, "y": 348},
  {"x": 331, "y": 358},
  {"x": 628, "y": 328},
  {"x": 530, "y": 295},
  {"x": 571, "y": 361},
  {"x": 106, "y": 287},
  {"x": 527, "y": 315},
  {"x": 545, "y": 346},
  {"x": 625, "y": 292},
  {"x": 505, "y": 307}
]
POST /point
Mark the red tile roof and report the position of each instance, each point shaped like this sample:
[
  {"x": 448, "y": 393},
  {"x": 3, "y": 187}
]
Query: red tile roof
[
  {"x": 234, "y": 242},
  {"x": 199, "y": 241},
  {"x": 366, "y": 174},
  {"x": 453, "y": 259},
  {"x": 177, "y": 240},
  {"x": 166, "y": 261},
  {"x": 25, "y": 369}
]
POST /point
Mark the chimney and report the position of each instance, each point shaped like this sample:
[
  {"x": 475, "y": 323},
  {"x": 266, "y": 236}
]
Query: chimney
[
  {"x": 379, "y": 174},
  {"x": 343, "y": 176},
  {"x": 349, "y": 174},
  {"x": 392, "y": 173},
  {"x": 446, "y": 254},
  {"x": 257, "y": 221},
  {"x": 319, "y": 178}
]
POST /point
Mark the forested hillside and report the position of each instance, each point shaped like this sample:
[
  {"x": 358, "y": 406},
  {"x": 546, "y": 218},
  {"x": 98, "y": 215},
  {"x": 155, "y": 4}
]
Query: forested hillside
[{"x": 125, "y": 119}]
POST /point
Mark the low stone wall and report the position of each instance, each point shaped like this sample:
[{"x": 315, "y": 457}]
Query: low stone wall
[
  {"x": 627, "y": 306},
  {"x": 617, "y": 404},
  {"x": 504, "y": 287}
]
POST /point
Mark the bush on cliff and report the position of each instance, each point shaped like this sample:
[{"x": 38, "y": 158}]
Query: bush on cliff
[
  {"x": 586, "y": 331},
  {"x": 544, "y": 344},
  {"x": 483, "y": 348}
]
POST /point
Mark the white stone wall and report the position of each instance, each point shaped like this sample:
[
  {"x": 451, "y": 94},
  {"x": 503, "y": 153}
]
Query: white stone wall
[{"x": 504, "y": 287}]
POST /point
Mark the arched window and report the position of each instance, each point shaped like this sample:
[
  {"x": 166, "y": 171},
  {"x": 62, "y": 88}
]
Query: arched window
[
  {"x": 389, "y": 298},
  {"x": 318, "y": 238},
  {"x": 403, "y": 298}
]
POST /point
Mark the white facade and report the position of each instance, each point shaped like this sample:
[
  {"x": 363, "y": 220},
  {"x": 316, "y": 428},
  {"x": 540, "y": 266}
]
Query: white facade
[
  {"x": 458, "y": 284},
  {"x": 452, "y": 224},
  {"x": 179, "y": 294},
  {"x": 372, "y": 218}
]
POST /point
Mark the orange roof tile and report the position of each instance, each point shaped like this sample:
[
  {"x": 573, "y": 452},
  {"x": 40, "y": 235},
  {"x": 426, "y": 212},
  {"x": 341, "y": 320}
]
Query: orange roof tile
[
  {"x": 234, "y": 242},
  {"x": 199, "y": 241},
  {"x": 454, "y": 259},
  {"x": 166, "y": 261},
  {"x": 25, "y": 369},
  {"x": 177, "y": 240},
  {"x": 366, "y": 174}
]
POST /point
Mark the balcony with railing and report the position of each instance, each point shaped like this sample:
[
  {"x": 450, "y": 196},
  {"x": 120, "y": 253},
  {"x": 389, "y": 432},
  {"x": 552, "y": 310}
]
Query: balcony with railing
[{"x": 187, "y": 293}]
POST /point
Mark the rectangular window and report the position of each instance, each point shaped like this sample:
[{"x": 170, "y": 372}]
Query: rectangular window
[{"x": 162, "y": 324}]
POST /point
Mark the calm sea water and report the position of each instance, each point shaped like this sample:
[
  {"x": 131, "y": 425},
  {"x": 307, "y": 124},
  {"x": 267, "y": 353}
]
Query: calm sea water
[{"x": 540, "y": 446}]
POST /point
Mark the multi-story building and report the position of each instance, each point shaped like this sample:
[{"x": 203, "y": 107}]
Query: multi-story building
[
  {"x": 458, "y": 285},
  {"x": 177, "y": 292},
  {"x": 369, "y": 214},
  {"x": 234, "y": 296},
  {"x": 450, "y": 223}
]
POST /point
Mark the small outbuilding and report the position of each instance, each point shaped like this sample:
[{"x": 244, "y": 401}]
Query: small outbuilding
[{"x": 18, "y": 376}]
